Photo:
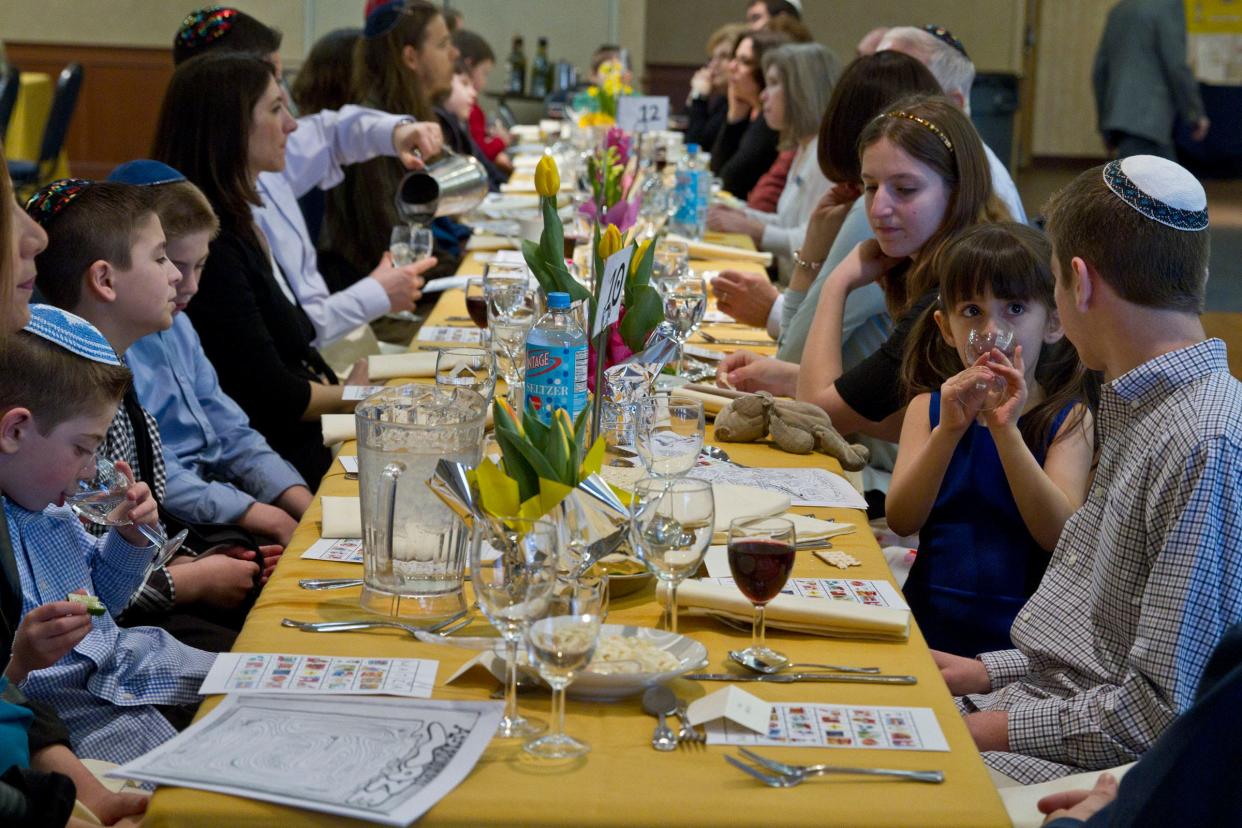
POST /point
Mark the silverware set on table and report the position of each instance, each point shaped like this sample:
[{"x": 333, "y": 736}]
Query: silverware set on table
[
  {"x": 776, "y": 774},
  {"x": 660, "y": 702}
]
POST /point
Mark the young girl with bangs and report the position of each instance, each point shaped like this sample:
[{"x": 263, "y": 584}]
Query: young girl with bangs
[{"x": 988, "y": 489}]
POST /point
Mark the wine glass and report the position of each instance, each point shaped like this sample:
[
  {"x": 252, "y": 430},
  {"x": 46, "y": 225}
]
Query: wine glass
[
  {"x": 670, "y": 528},
  {"x": 101, "y": 498},
  {"x": 476, "y": 306},
  {"x": 504, "y": 286},
  {"x": 399, "y": 246},
  {"x": 761, "y": 556},
  {"x": 685, "y": 302},
  {"x": 670, "y": 264},
  {"x": 670, "y": 434},
  {"x": 981, "y": 340},
  {"x": 466, "y": 367},
  {"x": 508, "y": 332},
  {"x": 422, "y": 242},
  {"x": 513, "y": 570},
  {"x": 560, "y": 645}
]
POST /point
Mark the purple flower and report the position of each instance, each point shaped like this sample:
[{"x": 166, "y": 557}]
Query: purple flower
[{"x": 616, "y": 137}]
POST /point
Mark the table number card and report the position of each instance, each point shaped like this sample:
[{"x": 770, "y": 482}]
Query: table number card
[
  {"x": 838, "y": 726},
  {"x": 733, "y": 707},
  {"x": 642, "y": 113},
  {"x": 612, "y": 290}
]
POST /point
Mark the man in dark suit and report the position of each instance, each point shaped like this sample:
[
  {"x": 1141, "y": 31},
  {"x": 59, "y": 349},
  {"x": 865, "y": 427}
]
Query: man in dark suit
[{"x": 1142, "y": 83}]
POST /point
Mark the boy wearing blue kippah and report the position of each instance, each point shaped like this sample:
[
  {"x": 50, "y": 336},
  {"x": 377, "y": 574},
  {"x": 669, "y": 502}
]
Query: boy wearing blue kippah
[{"x": 60, "y": 384}]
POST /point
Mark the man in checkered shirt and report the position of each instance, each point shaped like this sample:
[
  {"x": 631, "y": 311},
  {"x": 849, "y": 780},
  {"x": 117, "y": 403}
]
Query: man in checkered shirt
[{"x": 1147, "y": 575}]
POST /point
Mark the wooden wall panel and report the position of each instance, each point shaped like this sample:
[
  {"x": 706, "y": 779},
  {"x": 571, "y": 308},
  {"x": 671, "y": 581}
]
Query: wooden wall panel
[
  {"x": 119, "y": 104},
  {"x": 1064, "y": 122}
]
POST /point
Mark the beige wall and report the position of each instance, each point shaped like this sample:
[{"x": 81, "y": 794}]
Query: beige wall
[{"x": 1064, "y": 122}]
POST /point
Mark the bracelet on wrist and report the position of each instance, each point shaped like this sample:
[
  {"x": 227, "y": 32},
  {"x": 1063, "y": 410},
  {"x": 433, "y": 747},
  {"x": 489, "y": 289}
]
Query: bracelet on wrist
[{"x": 801, "y": 262}]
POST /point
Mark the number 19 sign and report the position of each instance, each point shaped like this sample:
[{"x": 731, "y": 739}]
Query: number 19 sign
[{"x": 639, "y": 113}]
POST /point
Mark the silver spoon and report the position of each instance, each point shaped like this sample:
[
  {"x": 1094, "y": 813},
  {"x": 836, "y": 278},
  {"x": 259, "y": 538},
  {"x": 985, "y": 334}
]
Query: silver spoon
[
  {"x": 755, "y": 664},
  {"x": 659, "y": 701},
  {"x": 717, "y": 453}
]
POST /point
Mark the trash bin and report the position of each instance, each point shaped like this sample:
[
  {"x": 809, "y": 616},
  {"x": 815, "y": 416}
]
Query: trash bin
[{"x": 993, "y": 102}]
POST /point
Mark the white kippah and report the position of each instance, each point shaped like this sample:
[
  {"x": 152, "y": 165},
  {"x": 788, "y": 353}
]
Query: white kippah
[{"x": 1159, "y": 189}]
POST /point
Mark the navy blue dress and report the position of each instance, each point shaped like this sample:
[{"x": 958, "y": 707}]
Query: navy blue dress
[{"x": 977, "y": 563}]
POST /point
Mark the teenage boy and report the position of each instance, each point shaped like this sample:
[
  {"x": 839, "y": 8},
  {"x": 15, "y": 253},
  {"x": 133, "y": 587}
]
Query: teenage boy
[
  {"x": 1147, "y": 575},
  {"x": 60, "y": 384},
  {"x": 106, "y": 262}
]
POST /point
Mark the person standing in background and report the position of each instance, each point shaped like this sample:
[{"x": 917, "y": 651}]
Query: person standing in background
[{"x": 1141, "y": 80}]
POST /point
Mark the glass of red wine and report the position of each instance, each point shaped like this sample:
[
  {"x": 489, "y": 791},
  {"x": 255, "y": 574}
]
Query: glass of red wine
[
  {"x": 476, "y": 302},
  {"x": 761, "y": 556}
]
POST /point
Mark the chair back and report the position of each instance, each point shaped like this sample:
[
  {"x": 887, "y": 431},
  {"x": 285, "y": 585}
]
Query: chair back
[
  {"x": 10, "y": 83},
  {"x": 64, "y": 101}
]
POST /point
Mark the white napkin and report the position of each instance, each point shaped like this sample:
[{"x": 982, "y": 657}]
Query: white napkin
[
  {"x": 342, "y": 517},
  {"x": 337, "y": 428},
  {"x": 712, "y": 403},
  {"x": 708, "y": 250},
  {"x": 391, "y": 366},
  {"x": 734, "y": 502},
  {"x": 805, "y": 528}
]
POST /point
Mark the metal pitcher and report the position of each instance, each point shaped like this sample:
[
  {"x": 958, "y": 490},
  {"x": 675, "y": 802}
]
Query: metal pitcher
[
  {"x": 450, "y": 185},
  {"x": 414, "y": 547}
]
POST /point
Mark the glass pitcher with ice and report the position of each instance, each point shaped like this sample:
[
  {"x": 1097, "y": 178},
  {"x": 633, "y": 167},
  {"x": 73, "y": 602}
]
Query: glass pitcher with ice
[{"x": 414, "y": 547}]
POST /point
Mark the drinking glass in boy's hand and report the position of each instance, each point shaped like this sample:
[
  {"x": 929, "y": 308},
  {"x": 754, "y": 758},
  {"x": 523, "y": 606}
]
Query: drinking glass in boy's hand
[{"x": 45, "y": 634}]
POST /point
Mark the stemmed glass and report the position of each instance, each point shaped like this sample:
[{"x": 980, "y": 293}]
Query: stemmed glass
[
  {"x": 981, "y": 340},
  {"x": 561, "y": 644},
  {"x": 670, "y": 434},
  {"x": 399, "y": 246},
  {"x": 476, "y": 307},
  {"x": 685, "y": 302},
  {"x": 504, "y": 286},
  {"x": 513, "y": 584},
  {"x": 508, "y": 334},
  {"x": 101, "y": 499},
  {"x": 670, "y": 528},
  {"x": 670, "y": 264},
  {"x": 761, "y": 556},
  {"x": 422, "y": 242},
  {"x": 466, "y": 367}
]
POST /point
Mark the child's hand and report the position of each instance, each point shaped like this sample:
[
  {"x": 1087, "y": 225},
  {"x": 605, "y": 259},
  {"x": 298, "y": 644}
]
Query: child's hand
[
  {"x": 44, "y": 635},
  {"x": 961, "y": 396},
  {"x": 1006, "y": 414},
  {"x": 140, "y": 507}
]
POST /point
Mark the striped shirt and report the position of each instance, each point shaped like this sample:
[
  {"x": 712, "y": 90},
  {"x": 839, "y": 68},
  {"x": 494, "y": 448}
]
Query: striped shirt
[{"x": 1145, "y": 580}]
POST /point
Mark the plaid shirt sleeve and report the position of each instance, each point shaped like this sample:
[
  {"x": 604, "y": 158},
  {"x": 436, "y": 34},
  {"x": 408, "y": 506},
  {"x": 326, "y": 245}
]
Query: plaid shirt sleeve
[
  {"x": 1005, "y": 666},
  {"x": 1193, "y": 590}
]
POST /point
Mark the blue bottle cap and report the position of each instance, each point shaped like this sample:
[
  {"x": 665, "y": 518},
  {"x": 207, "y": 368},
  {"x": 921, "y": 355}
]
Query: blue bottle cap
[{"x": 558, "y": 300}]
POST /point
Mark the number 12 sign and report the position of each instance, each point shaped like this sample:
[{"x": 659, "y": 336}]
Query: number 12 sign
[{"x": 642, "y": 113}]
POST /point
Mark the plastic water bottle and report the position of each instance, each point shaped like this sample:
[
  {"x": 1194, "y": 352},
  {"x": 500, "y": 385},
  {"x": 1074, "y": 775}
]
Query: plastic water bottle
[
  {"x": 556, "y": 362},
  {"x": 693, "y": 194}
]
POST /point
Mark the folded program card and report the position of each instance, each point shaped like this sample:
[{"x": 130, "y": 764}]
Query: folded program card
[
  {"x": 839, "y": 619},
  {"x": 391, "y": 366},
  {"x": 342, "y": 517},
  {"x": 337, "y": 428}
]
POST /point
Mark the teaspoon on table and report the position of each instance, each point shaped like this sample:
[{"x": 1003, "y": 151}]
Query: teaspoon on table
[
  {"x": 659, "y": 701},
  {"x": 757, "y": 665}
]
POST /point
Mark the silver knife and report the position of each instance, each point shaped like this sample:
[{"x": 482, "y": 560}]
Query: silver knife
[{"x": 789, "y": 678}]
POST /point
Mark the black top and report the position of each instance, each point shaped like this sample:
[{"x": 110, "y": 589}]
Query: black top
[
  {"x": 873, "y": 386},
  {"x": 260, "y": 345},
  {"x": 743, "y": 152},
  {"x": 707, "y": 117}
]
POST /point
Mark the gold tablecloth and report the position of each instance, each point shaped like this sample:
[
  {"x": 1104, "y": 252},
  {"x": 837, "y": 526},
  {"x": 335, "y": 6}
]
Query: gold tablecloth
[
  {"x": 25, "y": 132},
  {"x": 623, "y": 782}
]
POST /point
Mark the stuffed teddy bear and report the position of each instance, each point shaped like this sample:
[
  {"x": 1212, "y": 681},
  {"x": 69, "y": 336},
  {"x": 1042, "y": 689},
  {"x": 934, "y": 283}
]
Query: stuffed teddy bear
[{"x": 795, "y": 427}]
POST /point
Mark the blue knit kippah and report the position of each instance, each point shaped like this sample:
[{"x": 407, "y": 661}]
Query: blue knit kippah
[
  {"x": 145, "y": 171},
  {"x": 73, "y": 333},
  {"x": 383, "y": 17},
  {"x": 1159, "y": 189}
]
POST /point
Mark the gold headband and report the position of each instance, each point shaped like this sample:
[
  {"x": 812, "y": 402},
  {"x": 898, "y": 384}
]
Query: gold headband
[{"x": 939, "y": 133}]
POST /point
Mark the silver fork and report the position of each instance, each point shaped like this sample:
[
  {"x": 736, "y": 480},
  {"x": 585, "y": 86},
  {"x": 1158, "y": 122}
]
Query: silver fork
[
  {"x": 688, "y": 733},
  {"x": 444, "y": 627},
  {"x": 790, "y": 775}
]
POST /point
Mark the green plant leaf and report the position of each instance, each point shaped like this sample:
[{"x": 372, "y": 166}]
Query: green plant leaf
[
  {"x": 642, "y": 313},
  {"x": 515, "y": 464},
  {"x": 536, "y": 430},
  {"x": 537, "y": 461}
]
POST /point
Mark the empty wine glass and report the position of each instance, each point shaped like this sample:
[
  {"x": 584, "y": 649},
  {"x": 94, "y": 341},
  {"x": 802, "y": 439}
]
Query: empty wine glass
[
  {"x": 670, "y": 264},
  {"x": 685, "y": 302},
  {"x": 670, "y": 528},
  {"x": 670, "y": 434},
  {"x": 467, "y": 367},
  {"x": 422, "y": 242},
  {"x": 761, "y": 556},
  {"x": 561, "y": 644},
  {"x": 998, "y": 334},
  {"x": 101, "y": 500},
  {"x": 513, "y": 570},
  {"x": 504, "y": 286},
  {"x": 508, "y": 333},
  {"x": 399, "y": 246}
]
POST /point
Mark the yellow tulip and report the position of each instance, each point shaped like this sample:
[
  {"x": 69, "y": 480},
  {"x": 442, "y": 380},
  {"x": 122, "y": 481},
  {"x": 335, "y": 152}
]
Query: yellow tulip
[
  {"x": 547, "y": 177},
  {"x": 609, "y": 241},
  {"x": 639, "y": 251}
]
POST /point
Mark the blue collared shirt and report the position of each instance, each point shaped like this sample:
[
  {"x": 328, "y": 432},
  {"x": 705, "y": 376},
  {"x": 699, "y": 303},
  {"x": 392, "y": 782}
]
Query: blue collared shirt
[
  {"x": 317, "y": 149},
  {"x": 106, "y": 687},
  {"x": 216, "y": 464}
]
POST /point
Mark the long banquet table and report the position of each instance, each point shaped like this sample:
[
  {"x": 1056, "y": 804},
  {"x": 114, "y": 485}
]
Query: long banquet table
[{"x": 623, "y": 782}]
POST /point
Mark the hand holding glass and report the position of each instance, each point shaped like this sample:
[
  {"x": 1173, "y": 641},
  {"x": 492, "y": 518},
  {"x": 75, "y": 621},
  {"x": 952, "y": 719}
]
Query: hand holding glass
[
  {"x": 761, "y": 556},
  {"x": 399, "y": 246},
  {"x": 101, "y": 500},
  {"x": 422, "y": 242},
  {"x": 981, "y": 340},
  {"x": 670, "y": 528},
  {"x": 670, "y": 434}
]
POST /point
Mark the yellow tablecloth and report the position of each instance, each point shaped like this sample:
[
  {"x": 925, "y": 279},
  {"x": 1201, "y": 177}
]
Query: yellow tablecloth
[
  {"x": 623, "y": 782},
  {"x": 25, "y": 132}
]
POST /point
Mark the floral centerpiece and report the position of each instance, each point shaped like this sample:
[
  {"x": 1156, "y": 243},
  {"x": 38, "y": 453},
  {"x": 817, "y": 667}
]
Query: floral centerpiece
[
  {"x": 598, "y": 104},
  {"x": 607, "y": 172}
]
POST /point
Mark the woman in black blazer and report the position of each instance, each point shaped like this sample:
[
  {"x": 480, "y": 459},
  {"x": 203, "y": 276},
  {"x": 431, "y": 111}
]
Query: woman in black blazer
[{"x": 224, "y": 121}]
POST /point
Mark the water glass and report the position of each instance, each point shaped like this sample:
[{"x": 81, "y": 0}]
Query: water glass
[
  {"x": 670, "y": 264},
  {"x": 504, "y": 285},
  {"x": 508, "y": 333},
  {"x": 685, "y": 302},
  {"x": 466, "y": 367},
  {"x": 761, "y": 556},
  {"x": 560, "y": 645},
  {"x": 998, "y": 334},
  {"x": 671, "y": 524},
  {"x": 513, "y": 571},
  {"x": 670, "y": 434},
  {"x": 422, "y": 242},
  {"x": 399, "y": 246}
]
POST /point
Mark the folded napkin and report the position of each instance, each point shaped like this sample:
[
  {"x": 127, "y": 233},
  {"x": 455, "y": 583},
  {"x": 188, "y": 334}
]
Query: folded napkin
[
  {"x": 712, "y": 403},
  {"x": 491, "y": 243},
  {"x": 391, "y": 366},
  {"x": 708, "y": 250},
  {"x": 818, "y": 616},
  {"x": 734, "y": 502},
  {"x": 805, "y": 528},
  {"x": 337, "y": 428},
  {"x": 342, "y": 517}
]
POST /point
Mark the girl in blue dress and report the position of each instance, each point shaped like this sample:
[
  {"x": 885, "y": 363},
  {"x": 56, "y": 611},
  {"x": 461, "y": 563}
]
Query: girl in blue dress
[{"x": 988, "y": 489}]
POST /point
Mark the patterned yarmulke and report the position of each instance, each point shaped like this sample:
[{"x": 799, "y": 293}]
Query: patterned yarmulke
[
  {"x": 145, "y": 171},
  {"x": 381, "y": 17},
  {"x": 1159, "y": 189},
  {"x": 73, "y": 333},
  {"x": 52, "y": 199},
  {"x": 946, "y": 36},
  {"x": 204, "y": 26}
]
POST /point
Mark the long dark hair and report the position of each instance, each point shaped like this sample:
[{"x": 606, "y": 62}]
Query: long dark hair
[
  {"x": 324, "y": 80},
  {"x": 1012, "y": 262},
  {"x": 204, "y": 130},
  {"x": 381, "y": 78}
]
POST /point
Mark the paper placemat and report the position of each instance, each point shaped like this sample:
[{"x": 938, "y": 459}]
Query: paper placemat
[
  {"x": 320, "y": 675},
  {"x": 838, "y": 726},
  {"x": 804, "y": 487},
  {"x": 342, "y": 550},
  {"x": 869, "y": 593}
]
